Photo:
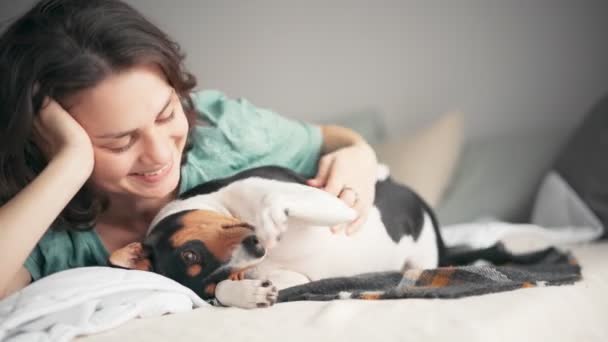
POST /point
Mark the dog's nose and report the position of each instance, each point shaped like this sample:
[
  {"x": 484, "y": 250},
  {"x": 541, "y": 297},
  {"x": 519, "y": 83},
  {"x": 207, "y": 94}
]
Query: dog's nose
[{"x": 253, "y": 246}]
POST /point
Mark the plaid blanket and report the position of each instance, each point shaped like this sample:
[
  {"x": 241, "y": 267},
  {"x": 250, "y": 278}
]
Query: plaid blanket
[{"x": 554, "y": 268}]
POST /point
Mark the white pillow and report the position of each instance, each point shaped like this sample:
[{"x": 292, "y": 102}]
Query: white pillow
[{"x": 558, "y": 205}]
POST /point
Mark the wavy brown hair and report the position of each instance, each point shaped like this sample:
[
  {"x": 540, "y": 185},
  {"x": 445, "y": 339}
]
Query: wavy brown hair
[{"x": 63, "y": 47}]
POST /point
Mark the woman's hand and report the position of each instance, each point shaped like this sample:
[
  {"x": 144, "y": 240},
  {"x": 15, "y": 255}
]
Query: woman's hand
[
  {"x": 350, "y": 174},
  {"x": 57, "y": 132}
]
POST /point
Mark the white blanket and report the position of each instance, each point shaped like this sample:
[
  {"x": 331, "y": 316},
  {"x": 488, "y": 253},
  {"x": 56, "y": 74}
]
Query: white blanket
[
  {"x": 88, "y": 300},
  {"x": 484, "y": 234}
]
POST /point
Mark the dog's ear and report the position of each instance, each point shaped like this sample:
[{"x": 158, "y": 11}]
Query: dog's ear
[
  {"x": 317, "y": 207},
  {"x": 134, "y": 256}
]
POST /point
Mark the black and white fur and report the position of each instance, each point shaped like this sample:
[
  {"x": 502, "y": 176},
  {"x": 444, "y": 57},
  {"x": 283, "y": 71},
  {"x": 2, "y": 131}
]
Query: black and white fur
[{"x": 292, "y": 222}]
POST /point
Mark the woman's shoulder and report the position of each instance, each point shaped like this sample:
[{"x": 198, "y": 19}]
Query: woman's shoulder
[
  {"x": 207, "y": 97},
  {"x": 215, "y": 106},
  {"x": 241, "y": 136},
  {"x": 209, "y": 103}
]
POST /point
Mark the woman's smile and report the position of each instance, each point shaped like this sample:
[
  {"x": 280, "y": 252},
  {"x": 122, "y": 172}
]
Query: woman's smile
[{"x": 155, "y": 176}]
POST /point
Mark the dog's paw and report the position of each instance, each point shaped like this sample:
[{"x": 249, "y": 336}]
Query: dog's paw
[
  {"x": 272, "y": 220},
  {"x": 247, "y": 293},
  {"x": 265, "y": 294},
  {"x": 259, "y": 293}
]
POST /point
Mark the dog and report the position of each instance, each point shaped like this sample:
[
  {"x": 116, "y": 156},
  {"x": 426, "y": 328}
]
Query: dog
[{"x": 241, "y": 239}]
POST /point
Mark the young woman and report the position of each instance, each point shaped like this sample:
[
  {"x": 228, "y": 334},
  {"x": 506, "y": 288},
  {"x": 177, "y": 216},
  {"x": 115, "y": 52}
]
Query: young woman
[{"x": 100, "y": 127}]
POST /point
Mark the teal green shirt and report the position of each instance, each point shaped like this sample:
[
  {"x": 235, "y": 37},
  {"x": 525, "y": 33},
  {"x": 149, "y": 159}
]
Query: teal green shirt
[{"x": 233, "y": 136}]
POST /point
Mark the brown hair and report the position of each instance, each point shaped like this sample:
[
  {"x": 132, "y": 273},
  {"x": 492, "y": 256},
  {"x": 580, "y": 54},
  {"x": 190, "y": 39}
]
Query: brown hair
[{"x": 66, "y": 46}]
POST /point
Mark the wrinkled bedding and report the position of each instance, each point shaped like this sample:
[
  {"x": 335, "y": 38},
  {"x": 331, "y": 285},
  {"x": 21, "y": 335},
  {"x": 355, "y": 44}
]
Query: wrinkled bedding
[
  {"x": 88, "y": 300},
  {"x": 100, "y": 302},
  {"x": 562, "y": 313}
]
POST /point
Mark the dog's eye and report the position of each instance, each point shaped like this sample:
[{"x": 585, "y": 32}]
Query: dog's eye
[{"x": 190, "y": 258}]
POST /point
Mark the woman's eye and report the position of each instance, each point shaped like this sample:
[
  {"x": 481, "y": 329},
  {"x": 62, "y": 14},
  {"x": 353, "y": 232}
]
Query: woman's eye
[
  {"x": 166, "y": 118},
  {"x": 122, "y": 148}
]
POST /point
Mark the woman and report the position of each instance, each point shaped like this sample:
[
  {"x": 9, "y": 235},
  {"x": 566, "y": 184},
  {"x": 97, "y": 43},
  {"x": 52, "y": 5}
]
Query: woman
[{"x": 99, "y": 128}]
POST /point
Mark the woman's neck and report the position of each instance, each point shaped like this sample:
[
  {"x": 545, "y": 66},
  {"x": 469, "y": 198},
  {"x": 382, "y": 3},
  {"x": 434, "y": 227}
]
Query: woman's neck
[
  {"x": 127, "y": 220},
  {"x": 132, "y": 212}
]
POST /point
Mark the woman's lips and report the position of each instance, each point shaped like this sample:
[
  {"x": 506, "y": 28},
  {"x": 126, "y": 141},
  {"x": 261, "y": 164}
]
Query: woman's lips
[{"x": 157, "y": 176}]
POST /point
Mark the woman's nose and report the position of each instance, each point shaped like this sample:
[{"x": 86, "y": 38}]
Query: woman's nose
[{"x": 157, "y": 148}]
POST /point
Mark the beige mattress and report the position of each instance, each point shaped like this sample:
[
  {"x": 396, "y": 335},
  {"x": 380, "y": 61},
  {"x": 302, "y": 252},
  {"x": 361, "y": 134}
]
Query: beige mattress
[{"x": 565, "y": 313}]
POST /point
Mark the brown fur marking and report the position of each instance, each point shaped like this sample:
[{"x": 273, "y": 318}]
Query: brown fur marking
[{"x": 218, "y": 232}]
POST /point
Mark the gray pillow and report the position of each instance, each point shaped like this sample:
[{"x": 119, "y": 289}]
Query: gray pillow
[
  {"x": 497, "y": 178},
  {"x": 583, "y": 163}
]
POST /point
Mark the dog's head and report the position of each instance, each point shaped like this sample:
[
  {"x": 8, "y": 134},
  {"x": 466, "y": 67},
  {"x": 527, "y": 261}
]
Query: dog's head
[
  {"x": 199, "y": 244},
  {"x": 197, "y": 248}
]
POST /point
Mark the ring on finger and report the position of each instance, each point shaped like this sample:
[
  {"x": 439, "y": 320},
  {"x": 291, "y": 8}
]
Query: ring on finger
[{"x": 351, "y": 190}]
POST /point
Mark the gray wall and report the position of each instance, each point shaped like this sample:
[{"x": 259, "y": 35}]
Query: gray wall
[{"x": 509, "y": 65}]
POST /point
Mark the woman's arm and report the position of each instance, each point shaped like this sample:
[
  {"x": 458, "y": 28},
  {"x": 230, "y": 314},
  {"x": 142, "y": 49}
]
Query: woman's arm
[
  {"x": 27, "y": 216},
  {"x": 347, "y": 169}
]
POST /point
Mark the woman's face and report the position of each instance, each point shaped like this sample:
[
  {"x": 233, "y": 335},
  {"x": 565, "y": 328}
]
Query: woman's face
[{"x": 138, "y": 129}]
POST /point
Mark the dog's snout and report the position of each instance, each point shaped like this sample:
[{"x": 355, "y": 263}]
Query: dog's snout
[{"x": 253, "y": 246}]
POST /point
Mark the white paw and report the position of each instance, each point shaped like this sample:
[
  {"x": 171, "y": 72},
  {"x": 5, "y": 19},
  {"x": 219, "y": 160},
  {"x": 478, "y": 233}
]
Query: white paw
[
  {"x": 272, "y": 220},
  {"x": 266, "y": 294},
  {"x": 259, "y": 293},
  {"x": 246, "y": 293}
]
